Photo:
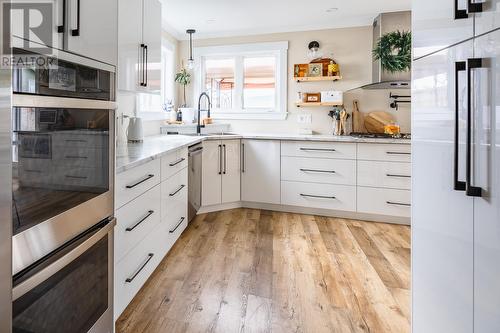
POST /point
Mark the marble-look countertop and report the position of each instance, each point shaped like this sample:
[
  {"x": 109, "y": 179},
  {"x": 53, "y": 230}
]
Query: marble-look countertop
[{"x": 131, "y": 155}]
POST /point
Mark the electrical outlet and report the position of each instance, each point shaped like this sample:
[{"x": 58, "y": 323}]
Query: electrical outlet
[{"x": 304, "y": 118}]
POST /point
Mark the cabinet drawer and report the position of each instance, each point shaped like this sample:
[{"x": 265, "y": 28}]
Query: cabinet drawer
[
  {"x": 326, "y": 196},
  {"x": 135, "y": 220},
  {"x": 384, "y": 174},
  {"x": 318, "y": 149},
  {"x": 136, "y": 267},
  {"x": 384, "y": 201},
  {"x": 384, "y": 152},
  {"x": 132, "y": 183},
  {"x": 174, "y": 195},
  {"x": 318, "y": 170},
  {"x": 173, "y": 163},
  {"x": 79, "y": 157}
]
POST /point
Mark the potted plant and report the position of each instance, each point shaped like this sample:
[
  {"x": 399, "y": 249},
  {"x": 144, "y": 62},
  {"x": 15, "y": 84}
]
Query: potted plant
[{"x": 183, "y": 78}]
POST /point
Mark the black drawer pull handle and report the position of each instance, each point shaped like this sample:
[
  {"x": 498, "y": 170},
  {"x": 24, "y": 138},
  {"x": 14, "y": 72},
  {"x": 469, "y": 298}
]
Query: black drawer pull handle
[
  {"x": 177, "y": 162},
  {"x": 316, "y": 196},
  {"x": 76, "y": 177},
  {"x": 318, "y": 171},
  {"x": 75, "y": 157},
  {"x": 177, "y": 191},
  {"x": 397, "y": 176},
  {"x": 76, "y": 32},
  {"x": 397, "y": 153},
  {"x": 151, "y": 212},
  {"x": 75, "y": 140},
  {"x": 148, "y": 177},
  {"x": 398, "y": 204},
  {"x": 130, "y": 279},
  {"x": 177, "y": 226},
  {"x": 318, "y": 149}
]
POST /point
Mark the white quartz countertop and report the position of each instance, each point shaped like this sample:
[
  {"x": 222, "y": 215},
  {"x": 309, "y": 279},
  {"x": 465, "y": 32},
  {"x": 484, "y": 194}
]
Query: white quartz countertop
[{"x": 131, "y": 155}]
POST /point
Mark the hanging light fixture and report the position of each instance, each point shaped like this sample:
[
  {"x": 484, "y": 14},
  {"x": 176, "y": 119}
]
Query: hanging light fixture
[
  {"x": 190, "y": 62},
  {"x": 314, "y": 51}
]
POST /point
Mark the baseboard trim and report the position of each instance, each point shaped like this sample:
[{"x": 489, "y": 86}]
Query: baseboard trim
[{"x": 308, "y": 211}]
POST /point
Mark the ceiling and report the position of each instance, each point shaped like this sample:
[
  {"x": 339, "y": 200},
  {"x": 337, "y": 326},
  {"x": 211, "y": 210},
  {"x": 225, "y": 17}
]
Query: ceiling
[{"x": 224, "y": 18}]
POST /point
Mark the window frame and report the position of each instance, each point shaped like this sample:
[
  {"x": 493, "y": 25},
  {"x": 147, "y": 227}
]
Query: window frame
[{"x": 240, "y": 51}]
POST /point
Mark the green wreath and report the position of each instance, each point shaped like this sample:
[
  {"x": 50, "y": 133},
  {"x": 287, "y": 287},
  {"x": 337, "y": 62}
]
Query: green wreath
[{"x": 394, "y": 51}]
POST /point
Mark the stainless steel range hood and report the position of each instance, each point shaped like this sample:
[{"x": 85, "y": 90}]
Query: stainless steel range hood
[{"x": 384, "y": 23}]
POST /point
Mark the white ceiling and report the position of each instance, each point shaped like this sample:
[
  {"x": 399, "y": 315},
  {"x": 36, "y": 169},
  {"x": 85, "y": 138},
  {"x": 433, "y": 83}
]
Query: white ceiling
[{"x": 222, "y": 18}]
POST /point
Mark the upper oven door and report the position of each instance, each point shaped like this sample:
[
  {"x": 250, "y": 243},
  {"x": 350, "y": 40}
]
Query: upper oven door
[
  {"x": 62, "y": 172},
  {"x": 64, "y": 75}
]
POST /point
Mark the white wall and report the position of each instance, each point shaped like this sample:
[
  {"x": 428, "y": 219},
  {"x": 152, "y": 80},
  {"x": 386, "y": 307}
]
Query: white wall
[{"x": 351, "y": 48}]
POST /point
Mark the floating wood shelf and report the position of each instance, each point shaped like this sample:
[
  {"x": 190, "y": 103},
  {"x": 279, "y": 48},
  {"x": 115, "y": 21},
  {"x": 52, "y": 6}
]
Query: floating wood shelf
[
  {"x": 317, "y": 78},
  {"x": 313, "y": 104}
]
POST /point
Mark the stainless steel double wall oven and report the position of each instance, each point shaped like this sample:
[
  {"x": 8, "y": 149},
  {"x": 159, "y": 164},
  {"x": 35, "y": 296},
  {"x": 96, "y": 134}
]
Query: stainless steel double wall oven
[{"x": 62, "y": 193}]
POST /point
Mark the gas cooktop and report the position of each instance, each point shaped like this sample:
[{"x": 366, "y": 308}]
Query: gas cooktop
[{"x": 381, "y": 135}]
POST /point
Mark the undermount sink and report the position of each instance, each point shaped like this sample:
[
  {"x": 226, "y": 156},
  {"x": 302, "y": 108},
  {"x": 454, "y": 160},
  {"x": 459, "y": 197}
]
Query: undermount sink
[{"x": 210, "y": 134}]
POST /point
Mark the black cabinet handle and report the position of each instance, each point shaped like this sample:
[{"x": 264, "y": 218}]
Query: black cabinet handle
[
  {"x": 75, "y": 157},
  {"x": 457, "y": 184},
  {"x": 76, "y": 32},
  {"x": 398, "y": 204},
  {"x": 76, "y": 177},
  {"x": 243, "y": 157},
  {"x": 60, "y": 28},
  {"x": 146, "y": 67},
  {"x": 151, "y": 212},
  {"x": 220, "y": 159},
  {"x": 140, "y": 181},
  {"x": 460, "y": 13},
  {"x": 397, "y": 153},
  {"x": 316, "y": 196},
  {"x": 397, "y": 176},
  {"x": 143, "y": 50},
  {"x": 471, "y": 191},
  {"x": 474, "y": 7},
  {"x": 317, "y": 171},
  {"x": 317, "y": 149},
  {"x": 177, "y": 226},
  {"x": 177, "y": 191},
  {"x": 130, "y": 279},
  {"x": 225, "y": 159},
  {"x": 177, "y": 162}
]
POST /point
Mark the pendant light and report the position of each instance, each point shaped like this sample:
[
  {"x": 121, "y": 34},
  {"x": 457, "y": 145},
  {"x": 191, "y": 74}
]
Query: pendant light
[{"x": 190, "y": 62}]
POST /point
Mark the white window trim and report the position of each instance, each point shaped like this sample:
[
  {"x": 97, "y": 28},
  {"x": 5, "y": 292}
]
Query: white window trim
[{"x": 280, "y": 49}]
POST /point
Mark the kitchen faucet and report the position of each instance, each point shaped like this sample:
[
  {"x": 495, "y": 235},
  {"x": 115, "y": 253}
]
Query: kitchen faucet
[{"x": 199, "y": 127}]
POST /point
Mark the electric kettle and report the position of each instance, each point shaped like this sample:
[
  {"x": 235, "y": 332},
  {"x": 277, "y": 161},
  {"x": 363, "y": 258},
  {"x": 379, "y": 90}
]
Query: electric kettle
[{"x": 134, "y": 130}]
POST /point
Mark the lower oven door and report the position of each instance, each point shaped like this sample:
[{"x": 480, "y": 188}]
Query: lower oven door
[{"x": 71, "y": 289}]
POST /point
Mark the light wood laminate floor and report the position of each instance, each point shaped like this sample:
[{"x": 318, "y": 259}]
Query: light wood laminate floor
[{"x": 248, "y": 270}]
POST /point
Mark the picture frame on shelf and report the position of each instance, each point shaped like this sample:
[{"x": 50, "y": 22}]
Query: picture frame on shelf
[
  {"x": 312, "y": 98},
  {"x": 301, "y": 70},
  {"x": 315, "y": 70}
]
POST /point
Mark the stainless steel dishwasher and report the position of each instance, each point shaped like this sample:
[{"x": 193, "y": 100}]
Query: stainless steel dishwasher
[{"x": 194, "y": 180}]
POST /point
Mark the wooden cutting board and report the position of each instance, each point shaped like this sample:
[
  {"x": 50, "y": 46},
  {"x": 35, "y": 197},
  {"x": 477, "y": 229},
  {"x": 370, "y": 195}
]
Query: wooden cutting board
[
  {"x": 358, "y": 122},
  {"x": 376, "y": 121}
]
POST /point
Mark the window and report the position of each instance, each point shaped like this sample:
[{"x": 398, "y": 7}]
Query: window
[{"x": 247, "y": 81}]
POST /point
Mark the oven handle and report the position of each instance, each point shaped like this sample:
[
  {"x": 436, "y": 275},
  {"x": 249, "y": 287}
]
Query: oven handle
[
  {"x": 34, "y": 281},
  {"x": 37, "y": 101}
]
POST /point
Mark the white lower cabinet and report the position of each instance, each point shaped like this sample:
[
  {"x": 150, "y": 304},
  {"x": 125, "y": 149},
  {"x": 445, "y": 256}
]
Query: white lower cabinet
[
  {"x": 381, "y": 201},
  {"x": 151, "y": 217},
  {"x": 324, "y": 196},
  {"x": 260, "y": 171},
  {"x": 221, "y": 172}
]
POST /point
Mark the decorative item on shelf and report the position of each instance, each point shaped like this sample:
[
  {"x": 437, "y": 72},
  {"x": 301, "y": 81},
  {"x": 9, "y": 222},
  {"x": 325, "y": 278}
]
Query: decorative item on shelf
[
  {"x": 325, "y": 63},
  {"x": 333, "y": 68},
  {"x": 393, "y": 50},
  {"x": 315, "y": 70},
  {"x": 312, "y": 97},
  {"x": 190, "y": 62},
  {"x": 300, "y": 70},
  {"x": 332, "y": 96},
  {"x": 183, "y": 78},
  {"x": 313, "y": 52}
]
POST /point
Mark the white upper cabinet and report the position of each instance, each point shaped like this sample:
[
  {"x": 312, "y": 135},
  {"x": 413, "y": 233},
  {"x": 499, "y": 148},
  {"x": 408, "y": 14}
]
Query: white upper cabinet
[
  {"x": 139, "y": 45},
  {"x": 260, "y": 171},
  {"x": 489, "y": 17},
  {"x": 92, "y": 29},
  {"x": 437, "y": 25}
]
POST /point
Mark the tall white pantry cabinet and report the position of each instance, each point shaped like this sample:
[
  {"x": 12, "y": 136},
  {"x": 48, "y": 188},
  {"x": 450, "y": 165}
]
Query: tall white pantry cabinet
[{"x": 456, "y": 167}]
